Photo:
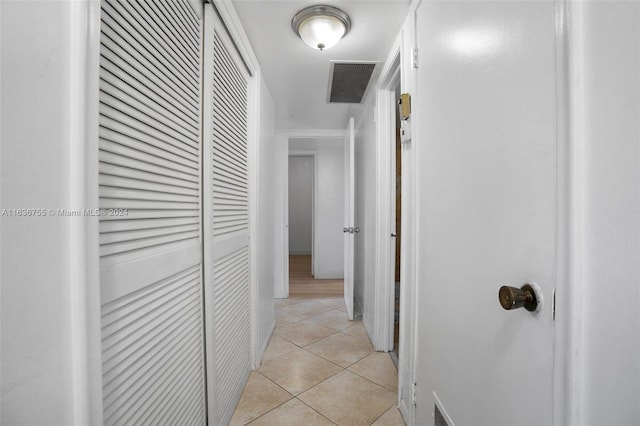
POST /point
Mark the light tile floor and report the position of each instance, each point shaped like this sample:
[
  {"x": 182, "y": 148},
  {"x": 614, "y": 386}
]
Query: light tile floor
[{"x": 319, "y": 369}]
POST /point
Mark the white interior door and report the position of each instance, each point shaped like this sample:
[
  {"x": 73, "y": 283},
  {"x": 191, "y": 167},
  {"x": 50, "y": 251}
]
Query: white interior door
[
  {"x": 349, "y": 217},
  {"x": 487, "y": 211},
  {"x": 226, "y": 221},
  {"x": 150, "y": 228}
]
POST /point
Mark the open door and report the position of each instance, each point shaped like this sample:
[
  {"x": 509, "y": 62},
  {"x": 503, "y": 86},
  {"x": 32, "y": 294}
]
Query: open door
[
  {"x": 349, "y": 214},
  {"x": 487, "y": 208}
]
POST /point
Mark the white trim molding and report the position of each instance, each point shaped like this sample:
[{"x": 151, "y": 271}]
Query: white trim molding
[
  {"x": 408, "y": 296},
  {"x": 281, "y": 286},
  {"x": 233, "y": 25},
  {"x": 84, "y": 266},
  {"x": 571, "y": 205},
  {"x": 311, "y": 133},
  {"x": 254, "y": 213},
  {"x": 384, "y": 293}
]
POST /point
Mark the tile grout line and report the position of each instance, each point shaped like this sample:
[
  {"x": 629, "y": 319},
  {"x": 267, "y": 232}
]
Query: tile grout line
[
  {"x": 369, "y": 380},
  {"x": 279, "y": 405},
  {"x": 394, "y": 405},
  {"x": 296, "y": 396},
  {"x": 328, "y": 360},
  {"x": 310, "y": 343},
  {"x": 333, "y": 362},
  {"x": 316, "y": 411},
  {"x": 304, "y": 347},
  {"x": 325, "y": 379}
]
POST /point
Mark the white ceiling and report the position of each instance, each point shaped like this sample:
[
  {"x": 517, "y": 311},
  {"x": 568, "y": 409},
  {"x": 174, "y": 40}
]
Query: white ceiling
[{"x": 298, "y": 76}]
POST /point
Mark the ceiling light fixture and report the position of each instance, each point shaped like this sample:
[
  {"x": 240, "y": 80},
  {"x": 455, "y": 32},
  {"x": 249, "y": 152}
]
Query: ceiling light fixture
[{"x": 321, "y": 26}]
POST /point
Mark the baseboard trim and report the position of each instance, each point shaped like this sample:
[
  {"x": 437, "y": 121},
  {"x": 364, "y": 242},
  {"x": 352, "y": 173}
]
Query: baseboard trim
[{"x": 265, "y": 345}]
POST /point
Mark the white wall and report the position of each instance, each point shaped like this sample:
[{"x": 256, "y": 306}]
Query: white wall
[
  {"x": 609, "y": 378},
  {"x": 281, "y": 212},
  {"x": 268, "y": 218},
  {"x": 44, "y": 281},
  {"x": 301, "y": 177},
  {"x": 328, "y": 256},
  {"x": 328, "y": 248}
]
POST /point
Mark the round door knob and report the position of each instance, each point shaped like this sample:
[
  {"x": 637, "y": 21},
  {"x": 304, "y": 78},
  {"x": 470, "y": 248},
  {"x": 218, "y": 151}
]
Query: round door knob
[
  {"x": 356, "y": 230},
  {"x": 514, "y": 298},
  {"x": 345, "y": 230}
]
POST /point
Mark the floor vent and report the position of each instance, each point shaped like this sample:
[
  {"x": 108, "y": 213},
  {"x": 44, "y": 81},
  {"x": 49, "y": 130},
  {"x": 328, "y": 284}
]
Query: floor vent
[
  {"x": 349, "y": 81},
  {"x": 438, "y": 418}
]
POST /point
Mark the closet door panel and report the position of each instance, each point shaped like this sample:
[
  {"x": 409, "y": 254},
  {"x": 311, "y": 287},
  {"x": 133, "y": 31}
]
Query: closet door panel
[
  {"x": 150, "y": 223},
  {"x": 226, "y": 213}
]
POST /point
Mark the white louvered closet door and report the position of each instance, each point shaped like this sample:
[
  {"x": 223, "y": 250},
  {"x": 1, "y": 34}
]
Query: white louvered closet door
[
  {"x": 150, "y": 236},
  {"x": 226, "y": 216}
]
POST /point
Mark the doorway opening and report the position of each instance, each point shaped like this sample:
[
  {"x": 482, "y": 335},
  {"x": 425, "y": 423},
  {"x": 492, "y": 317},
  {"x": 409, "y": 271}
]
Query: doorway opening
[
  {"x": 301, "y": 214},
  {"x": 325, "y": 256},
  {"x": 390, "y": 151},
  {"x": 396, "y": 205}
]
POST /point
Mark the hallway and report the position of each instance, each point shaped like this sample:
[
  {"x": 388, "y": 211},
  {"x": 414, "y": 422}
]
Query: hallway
[
  {"x": 303, "y": 285},
  {"x": 319, "y": 369},
  {"x": 144, "y": 221}
]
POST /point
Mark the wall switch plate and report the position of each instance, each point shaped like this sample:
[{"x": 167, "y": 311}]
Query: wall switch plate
[{"x": 405, "y": 131}]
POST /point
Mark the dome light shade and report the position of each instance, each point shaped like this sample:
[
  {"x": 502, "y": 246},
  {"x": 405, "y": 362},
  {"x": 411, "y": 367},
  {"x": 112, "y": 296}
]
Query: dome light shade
[{"x": 321, "y": 27}]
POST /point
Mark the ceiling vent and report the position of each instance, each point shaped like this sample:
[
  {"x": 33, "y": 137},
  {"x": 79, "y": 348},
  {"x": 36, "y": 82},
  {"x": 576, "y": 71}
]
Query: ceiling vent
[{"x": 349, "y": 80}]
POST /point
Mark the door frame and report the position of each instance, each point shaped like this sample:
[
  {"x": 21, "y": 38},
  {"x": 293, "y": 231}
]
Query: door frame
[
  {"x": 84, "y": 266},
  {"x": 567, "y": 302},
  {"x": 384, "y": 293},
  {"x": 281, "y": 285},
  {"x": 398, "y": 67},
  {"x": 408, "y": 245}
]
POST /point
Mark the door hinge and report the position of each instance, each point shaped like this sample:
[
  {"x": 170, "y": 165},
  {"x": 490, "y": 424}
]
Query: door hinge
[
  {"x": 413, "y": 393},
  {"x": 414, "y": 57},
  {"x": 553, "y": 304}
]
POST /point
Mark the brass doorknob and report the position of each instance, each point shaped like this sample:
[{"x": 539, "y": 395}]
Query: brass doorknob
[{"x": 513, "y": 298}]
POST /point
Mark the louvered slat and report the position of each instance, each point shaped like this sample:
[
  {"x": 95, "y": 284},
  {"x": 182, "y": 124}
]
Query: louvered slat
[
  {"x": 107, "y": 227},
  {"x": 126, "y": 163},
  {"x": 141, "y": 70},
  {"x": 144, "y": 339},
  {"x": 165, "y": 34},
  {"x": 164, "y": 184},
  {"x": 146, "y": 118},
  {"x": 231, "y": 307},
  {"x": 149, "y": 165},
  {"x": 227, "y": 212},
  {"x": 112, "y": 77},
  {"x": 230, "y": 166},
  {"x": 117, "y": 18}
]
